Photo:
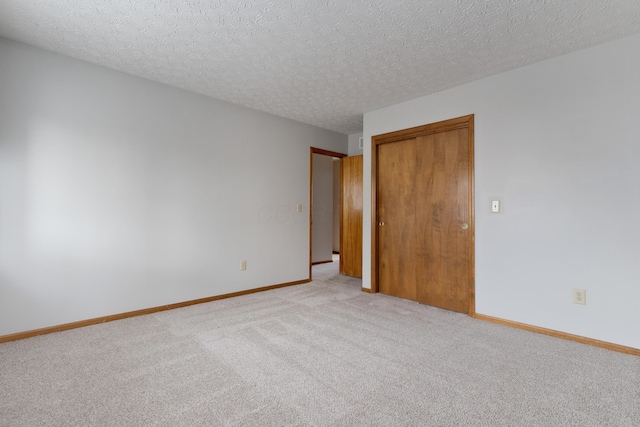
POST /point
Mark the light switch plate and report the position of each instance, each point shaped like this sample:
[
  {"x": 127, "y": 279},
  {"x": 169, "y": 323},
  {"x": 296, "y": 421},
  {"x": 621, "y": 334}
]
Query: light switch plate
[{"x": 495, "y": 206}]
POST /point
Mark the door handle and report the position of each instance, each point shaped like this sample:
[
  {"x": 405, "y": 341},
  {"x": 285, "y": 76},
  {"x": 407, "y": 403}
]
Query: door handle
[
  {"x": 464, "y": 226},
  {"x": 381, "y": 223}
]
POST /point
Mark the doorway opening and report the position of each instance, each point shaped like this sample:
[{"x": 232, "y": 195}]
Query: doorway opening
[{"x": 324, "y": 227}]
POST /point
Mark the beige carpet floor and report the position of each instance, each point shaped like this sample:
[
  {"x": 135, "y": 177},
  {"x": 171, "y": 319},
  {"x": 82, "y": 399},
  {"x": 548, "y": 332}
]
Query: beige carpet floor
[{"x": 318, "y": 354}]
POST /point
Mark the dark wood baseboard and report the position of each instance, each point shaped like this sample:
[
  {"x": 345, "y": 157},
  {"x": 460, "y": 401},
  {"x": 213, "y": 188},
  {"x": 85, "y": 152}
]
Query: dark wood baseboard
[
  {"x": 367, "y": 290},
  {"x": 321, "y": 262},
  {"x": 110, "y": 318},
  {"x": 563, "y": 335}
]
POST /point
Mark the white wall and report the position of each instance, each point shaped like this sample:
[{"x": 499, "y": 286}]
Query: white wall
[
  {"x": 322, "y": 228},
  {"x": 558, "y": 143},
  {"x": 118, "y": 193},
  {"x": 354, "y": 144}
]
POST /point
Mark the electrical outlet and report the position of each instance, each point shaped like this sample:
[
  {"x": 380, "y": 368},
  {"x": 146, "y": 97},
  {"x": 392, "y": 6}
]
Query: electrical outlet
[
  {"x": 579, "y": 296},
  {"x": 243, "y": 264}
]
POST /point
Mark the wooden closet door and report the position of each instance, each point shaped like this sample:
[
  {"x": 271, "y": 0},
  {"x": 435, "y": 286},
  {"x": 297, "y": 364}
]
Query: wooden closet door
[
  {"x": 442, "y": 197},
  {"x": 423, "y": 220},
  {"x": 351, "y": 216},
  {"x": 397, "y": 264}
]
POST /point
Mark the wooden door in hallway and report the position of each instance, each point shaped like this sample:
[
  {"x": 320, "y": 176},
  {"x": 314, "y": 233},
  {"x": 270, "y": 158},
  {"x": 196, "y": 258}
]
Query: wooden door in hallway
[
  {"x": 423, "y": 228},
  {"x": 351, "y": 216}
]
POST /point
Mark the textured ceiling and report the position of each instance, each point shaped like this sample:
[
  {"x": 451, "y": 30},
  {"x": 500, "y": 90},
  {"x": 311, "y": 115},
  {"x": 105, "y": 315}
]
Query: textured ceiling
[{"x": 323, "y": 62}]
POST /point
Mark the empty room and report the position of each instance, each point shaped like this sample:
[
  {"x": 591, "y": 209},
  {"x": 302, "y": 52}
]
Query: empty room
[{"x": 319, "y": 213}]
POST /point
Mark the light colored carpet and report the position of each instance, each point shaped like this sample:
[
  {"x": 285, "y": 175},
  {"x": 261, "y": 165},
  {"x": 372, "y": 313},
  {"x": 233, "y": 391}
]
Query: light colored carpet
[{"x": 319, "y": 354}]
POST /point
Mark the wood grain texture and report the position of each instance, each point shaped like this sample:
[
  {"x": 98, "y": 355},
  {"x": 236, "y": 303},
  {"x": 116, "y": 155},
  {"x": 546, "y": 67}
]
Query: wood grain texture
[
  {"x": 441, "y": 177},
  {"x": 445, "y": 125},
  {"x": 442, "y": 194},
  {"x": 375, "y": 241},
  {"x": 563, "y": 335},
  {"x": 472, "y": 218},
  {"x": 103, "y": 319},
  {"x": 397, "y": 263},
  {"x": 351, "y": 188}
]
